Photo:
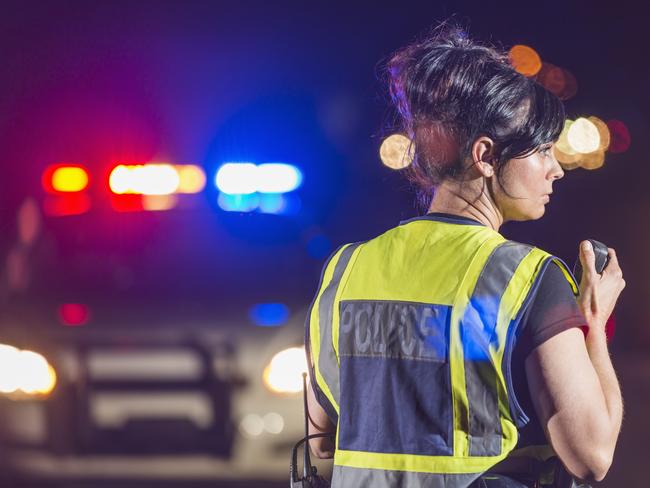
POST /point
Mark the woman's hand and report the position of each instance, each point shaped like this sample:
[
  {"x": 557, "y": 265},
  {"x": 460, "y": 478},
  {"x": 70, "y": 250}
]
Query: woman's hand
[{"x": 598, "y": 293}]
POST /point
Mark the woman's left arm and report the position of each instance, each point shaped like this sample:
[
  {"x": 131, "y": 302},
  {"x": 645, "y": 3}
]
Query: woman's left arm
[{"x": 319, "y": 423}]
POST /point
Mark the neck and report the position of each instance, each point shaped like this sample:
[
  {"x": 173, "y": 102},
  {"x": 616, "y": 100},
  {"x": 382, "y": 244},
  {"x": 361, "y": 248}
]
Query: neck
[{"x": 476, "y": 204}]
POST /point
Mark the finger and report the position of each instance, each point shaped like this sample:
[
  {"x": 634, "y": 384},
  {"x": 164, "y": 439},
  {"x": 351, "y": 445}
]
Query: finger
[
  {"x": 612, "y": 265},
  {"x": 588, "y": 260}
]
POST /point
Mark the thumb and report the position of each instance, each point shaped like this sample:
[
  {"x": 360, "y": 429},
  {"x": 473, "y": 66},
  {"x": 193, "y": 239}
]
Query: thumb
[{"x": 587, "y": 260}]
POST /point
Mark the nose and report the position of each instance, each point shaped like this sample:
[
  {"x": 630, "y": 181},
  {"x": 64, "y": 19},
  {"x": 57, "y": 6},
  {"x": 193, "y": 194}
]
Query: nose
[{"x": 556, "y": 171}]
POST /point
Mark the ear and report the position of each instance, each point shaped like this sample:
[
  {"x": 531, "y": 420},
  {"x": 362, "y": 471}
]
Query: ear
[{"x": 482, "y": 156}]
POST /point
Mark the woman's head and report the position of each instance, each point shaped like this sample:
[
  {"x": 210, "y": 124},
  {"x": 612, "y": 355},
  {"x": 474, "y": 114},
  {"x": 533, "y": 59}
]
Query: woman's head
[{"x": 459, "y": 101}]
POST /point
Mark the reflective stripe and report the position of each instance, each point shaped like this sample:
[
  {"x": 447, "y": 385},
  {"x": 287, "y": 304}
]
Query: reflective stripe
[
  {"x": 478, "y": 328},
  {"x": 314, "y": 336},
  {"x": 516, "y": 294},
  {"x": 415, "y": 462},
  {"x": 575, "y": 286},
  {"x": 327, "y": 359},
  {"x": 456, "y": 353},
  {"x": 346, "y": 477}
]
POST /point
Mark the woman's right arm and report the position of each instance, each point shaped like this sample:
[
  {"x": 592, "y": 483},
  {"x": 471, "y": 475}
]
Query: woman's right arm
[{"x": 572, "y": 381}]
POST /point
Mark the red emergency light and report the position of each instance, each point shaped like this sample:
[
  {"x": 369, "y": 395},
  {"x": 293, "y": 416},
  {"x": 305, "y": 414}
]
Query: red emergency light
[
  {"x": 65, "y": 179},
  {"x": 74, "y": 314}
]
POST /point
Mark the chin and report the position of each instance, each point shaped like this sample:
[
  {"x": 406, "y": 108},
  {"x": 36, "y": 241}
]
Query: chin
[{"x": 530, "y": 214}]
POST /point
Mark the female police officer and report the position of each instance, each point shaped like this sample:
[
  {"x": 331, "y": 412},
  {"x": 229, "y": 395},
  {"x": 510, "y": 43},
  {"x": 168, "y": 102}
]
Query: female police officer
[{"x": 439, "y": 350}]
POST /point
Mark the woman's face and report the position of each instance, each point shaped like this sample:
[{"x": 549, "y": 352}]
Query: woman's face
[{"x": 525, "y": 185}]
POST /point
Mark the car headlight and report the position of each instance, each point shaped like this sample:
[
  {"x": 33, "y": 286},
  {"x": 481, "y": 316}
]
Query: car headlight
[
  {"x": 284, "y": 373},
  {"x": 25, "y": 372}
]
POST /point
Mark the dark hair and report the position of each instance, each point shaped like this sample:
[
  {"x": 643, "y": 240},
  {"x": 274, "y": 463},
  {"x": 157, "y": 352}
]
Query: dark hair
[{"x": 450, "y": 90}]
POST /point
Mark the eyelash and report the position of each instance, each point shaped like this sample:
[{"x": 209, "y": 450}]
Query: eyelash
[{"x": 545, "y": 150}]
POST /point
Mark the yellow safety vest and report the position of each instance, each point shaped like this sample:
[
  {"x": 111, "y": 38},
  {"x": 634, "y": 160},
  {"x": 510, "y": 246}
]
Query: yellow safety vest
[{"x": 407, "y": 339}]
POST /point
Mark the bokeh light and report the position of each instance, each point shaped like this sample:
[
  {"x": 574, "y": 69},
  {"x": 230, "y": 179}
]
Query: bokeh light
[
  {"x": 278, "y": 178},
  {"x": 396, "y": 151},
  {"x": 570, "y": 166},
  {"x": 558, "y": 81},
  {"x": 191, "y": 178},
  {"x": 272, "y": 203},
  {"x": 525, "y": 60},
  {"x": 273, "y": 423},
  {"x": 284, "y": 372},
  {"x": 620, "y": 136},
  {"x": 562, "y": 146},
  {"x": 36, "y": 374},
  {"x": 66, "y": 179},
  {"x": 237, "y": 178},
  {"x": 269, "y": 314},
  {"x": 66, "y": 204},
  {"x": 603, "y": 132},
  {"x": 583, "y": 143},
  {"x": 9, "y": 358},
  {"x": 593, "y": 160},
  {"x": 74, "y": 314},
  {"x": 145, "y": 179},
  {"x": 247, "y": 178},
  {"x": 583, "y": 136},
  {"x": 25, "y": 371},
  {"x": 251, "y": 425},
  {"x": 29, "y": 222},
  {"x": 238, "y": 202},
  {"x": 158, "y": 203}
]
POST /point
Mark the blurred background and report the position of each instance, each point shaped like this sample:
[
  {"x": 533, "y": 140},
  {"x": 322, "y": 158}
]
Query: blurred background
[{"x": 174, "y": 174}]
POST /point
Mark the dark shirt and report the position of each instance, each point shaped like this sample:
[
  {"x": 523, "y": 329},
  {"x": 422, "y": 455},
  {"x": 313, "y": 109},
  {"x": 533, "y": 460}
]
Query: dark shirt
[{"x": 553, "y": 309}]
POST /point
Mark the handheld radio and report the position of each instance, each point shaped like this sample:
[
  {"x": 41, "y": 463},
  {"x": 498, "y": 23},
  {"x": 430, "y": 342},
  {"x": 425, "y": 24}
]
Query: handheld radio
[
  {"x": 602, "y": 259},
  {"x": 310, "y": 477}
]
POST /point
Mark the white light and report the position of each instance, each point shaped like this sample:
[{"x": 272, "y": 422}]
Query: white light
[
  {"x": 273, "y": 423},
  {"x": 9, "y": 364},
  {"x": 583, "y": 136},
  {"x": 26, "y": 371},
  {"x": 156, "y": 179},
  {"x": 396, "y": 151},
  {"x": 277, "y": 178},
  {"x": 147, "y": 179},
  {"x": 34, "y": 373},
  {"x": 247, "y": 178},
  {"x": 120, "y": 179},
  {"x": 237, "y": 178},
  {"x": 252, "y": 425},
  {"x": 284, "y": 372}
]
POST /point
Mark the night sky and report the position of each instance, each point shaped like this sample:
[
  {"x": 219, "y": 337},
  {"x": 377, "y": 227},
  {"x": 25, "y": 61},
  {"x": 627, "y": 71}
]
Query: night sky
[{"x": 97, "y": 83}]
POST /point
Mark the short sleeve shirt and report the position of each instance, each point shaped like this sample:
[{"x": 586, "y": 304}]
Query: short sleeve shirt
[{"x": 553, "y": 309}]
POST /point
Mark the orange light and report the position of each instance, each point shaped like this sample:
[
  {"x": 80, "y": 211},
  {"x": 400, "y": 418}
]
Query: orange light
[
  {"x": 558, "y": 81},
  {"x": 159, "y": 202},
  {"x": 603, "y": 131},
  {"x": 565, "y": 159},
  {"x": 65, "y": 178},
  {"x": 593, "y": 160},
  {"x": 192, "y": 178},
  {"x": 569, "y": 166},
  {"x": 525, "y": 60}
]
